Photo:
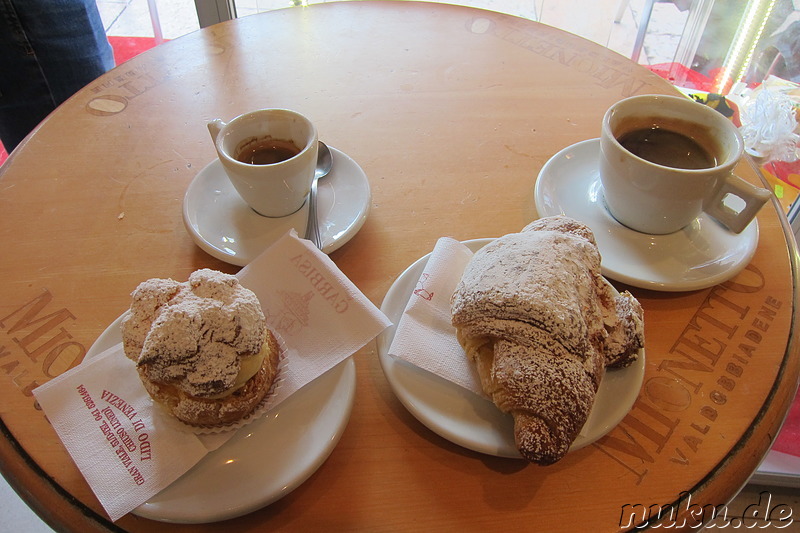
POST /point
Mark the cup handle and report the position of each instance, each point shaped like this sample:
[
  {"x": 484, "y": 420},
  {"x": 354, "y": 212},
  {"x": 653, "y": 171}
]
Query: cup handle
[
  {"x": 753, "y": 197},
  {"x": 214, "y": 127}
]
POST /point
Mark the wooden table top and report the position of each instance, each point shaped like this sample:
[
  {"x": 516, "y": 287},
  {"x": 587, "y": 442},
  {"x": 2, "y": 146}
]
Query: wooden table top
[{"x": 451, "y": 112}]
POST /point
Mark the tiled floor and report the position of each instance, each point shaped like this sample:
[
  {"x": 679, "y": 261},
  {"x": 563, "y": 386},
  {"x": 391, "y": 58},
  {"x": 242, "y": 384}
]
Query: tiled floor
[
  {"x": 174, "y": 18},
  {"x": 15, "y": 515}
]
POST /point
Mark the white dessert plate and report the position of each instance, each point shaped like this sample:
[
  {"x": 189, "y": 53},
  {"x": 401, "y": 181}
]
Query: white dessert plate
[
  {"x": 469, "y": 420},
  {"x": 265, "y": 460},
  {"x": 700, "y": 255},
  {"x": 224, "y": 226}
]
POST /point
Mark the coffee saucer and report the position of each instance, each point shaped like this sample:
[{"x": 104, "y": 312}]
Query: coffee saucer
[
  {"x": 223, "y": 225},
  {"x": 700, "y": 255}
]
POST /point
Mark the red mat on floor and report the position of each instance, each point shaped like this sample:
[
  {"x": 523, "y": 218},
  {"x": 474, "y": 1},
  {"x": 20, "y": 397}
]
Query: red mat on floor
[
  {"x": 128, "y": 47},
  {"x": 124, "y": 49}
]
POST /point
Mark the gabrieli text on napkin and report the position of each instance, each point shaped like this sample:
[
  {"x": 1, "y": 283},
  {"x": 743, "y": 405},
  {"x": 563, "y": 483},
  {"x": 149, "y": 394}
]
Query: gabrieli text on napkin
[
  {"x": 425, "y": 336},
  {"x": 128, "y": 449}
]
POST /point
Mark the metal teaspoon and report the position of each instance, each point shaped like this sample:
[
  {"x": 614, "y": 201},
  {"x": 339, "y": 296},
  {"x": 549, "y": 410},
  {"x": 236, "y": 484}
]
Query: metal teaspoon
[{"x": 324, "y": 164}]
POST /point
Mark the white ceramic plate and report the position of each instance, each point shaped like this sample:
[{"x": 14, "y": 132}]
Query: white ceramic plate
[
  {"x": 469, "y": 420},
  {"x": 224, "y": 226},
  {"x": 701, "y": 255},
  {"x": 265, "y": 460}
]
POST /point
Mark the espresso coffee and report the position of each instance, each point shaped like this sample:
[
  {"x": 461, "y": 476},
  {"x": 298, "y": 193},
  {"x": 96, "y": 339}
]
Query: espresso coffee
[
  {"x": 266, "y": 151},
  {"x": 667, "y": 148}
]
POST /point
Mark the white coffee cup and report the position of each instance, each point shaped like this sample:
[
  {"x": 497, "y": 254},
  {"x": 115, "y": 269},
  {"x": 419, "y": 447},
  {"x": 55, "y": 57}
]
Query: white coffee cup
[
  {"x": 277, "y": 184},
  {"x": 663, "y": 197}
]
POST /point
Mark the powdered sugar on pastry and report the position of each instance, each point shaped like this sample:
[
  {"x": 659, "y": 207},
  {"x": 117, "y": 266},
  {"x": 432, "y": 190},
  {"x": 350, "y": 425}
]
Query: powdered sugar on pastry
[
  {"x": 541, "y": 324},
  {"x": 192, "y": 335}
]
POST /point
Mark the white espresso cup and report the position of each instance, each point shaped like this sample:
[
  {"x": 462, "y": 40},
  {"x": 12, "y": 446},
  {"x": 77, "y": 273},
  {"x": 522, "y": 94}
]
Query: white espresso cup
[
  {"x": 270, "y": 156},
  {"x": 665, "y": 159}
]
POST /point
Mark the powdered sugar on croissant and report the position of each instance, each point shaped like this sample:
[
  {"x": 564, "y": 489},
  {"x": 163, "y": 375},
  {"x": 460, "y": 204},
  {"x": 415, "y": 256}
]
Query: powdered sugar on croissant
[{"x": 535, "y": 315}]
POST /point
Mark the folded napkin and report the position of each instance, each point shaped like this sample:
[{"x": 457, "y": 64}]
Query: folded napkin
[
  {"x": 128, "y": 449},
  {"x": 425, "y": 336}
]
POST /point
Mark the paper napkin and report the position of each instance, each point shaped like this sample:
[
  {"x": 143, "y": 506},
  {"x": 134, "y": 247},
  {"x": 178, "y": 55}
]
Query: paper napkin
[
  {"x": 119, "y": 440},
  {"x": 425, "y": 336},
  {"x": 128, "y": 449},
  {"x": 321, "y": 316}
]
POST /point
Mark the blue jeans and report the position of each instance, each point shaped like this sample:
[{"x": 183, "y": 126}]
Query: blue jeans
[{"x": 48, "y": 50}]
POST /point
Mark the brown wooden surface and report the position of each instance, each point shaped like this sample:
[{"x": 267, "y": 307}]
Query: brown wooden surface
[{"x": 451, "y": 112}]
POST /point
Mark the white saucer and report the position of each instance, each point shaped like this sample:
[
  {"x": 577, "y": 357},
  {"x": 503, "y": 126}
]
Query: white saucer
[
  {"x": 224, "y": 226},
  {"x": 701, "y": 255},
  {"x": 469, "y": 420},
  {"x": 265, "y": 460}
]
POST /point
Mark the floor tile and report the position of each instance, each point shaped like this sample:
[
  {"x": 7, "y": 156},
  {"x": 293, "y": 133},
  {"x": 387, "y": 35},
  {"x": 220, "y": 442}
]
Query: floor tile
[{"x": 15, "y": 515}]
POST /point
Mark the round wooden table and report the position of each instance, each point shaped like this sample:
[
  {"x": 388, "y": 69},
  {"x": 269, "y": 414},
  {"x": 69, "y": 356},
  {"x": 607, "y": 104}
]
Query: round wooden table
[{"x": 451, "y": 112}]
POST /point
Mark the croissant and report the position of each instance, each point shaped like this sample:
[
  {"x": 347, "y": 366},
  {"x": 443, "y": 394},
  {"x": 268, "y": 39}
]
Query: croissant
[{"x": 541, "y": 324}]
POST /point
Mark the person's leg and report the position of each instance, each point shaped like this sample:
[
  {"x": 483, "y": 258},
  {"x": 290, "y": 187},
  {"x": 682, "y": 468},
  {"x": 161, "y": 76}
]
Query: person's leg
[
  {"x": 48, "y": 50},
  {"x": 24, "y": 95},
  {"x": 69, "y": 41}
]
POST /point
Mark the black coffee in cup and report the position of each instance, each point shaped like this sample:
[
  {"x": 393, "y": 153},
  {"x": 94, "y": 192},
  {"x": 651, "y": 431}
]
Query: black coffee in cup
[
  {"x": 669, "y": 142},
  {"x": 266, "y": 151},
  {"x": 667, "y": 148}
]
